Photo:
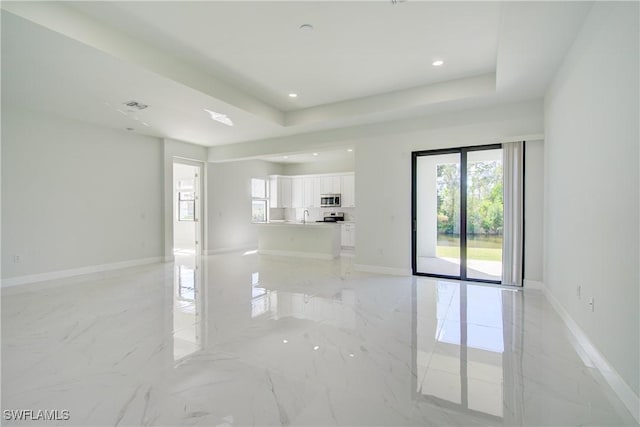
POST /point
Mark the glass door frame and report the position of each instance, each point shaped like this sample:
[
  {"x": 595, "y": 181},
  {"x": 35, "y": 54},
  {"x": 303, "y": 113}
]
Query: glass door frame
[{"x": 463, "y": 209}]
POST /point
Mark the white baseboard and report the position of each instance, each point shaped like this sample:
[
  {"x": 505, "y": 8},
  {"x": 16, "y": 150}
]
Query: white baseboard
[
  {"x": 61, "y": 274},
  {"x": 619, "y": 386},
  {"x": 231, "y": 249},
  {"x": 312, "y": 255},
  {"x": 532, "y": 284},
  {"x": 382, "y": 270}
]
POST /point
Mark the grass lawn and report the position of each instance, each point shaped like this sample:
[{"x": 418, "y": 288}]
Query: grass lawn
[{"x": 483, "y": 254}]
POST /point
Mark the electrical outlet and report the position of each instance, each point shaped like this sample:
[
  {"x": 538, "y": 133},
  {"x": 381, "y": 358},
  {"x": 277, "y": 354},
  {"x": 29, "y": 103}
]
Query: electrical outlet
[
  {"x": 591, "y": 304},
  {"x": 578, "y": 291}
]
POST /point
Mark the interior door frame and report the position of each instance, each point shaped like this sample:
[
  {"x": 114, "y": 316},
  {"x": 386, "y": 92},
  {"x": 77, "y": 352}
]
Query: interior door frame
[
  {"x": 201, "y": 214},
  {"x": 463, "y": 209}
]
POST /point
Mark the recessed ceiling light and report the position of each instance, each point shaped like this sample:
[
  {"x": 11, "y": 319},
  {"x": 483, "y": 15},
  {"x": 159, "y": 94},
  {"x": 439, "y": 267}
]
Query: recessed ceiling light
[
  {"x": 284, "y": 341},
  {"x": 315, "y": 154},
  {"x": 307, "y": 28},
  {"x": 293, "y": 95},
  {"x": 437, "y": 63},
  {"x": 219, "y": 117},
  {"x": 316, "y": 347},
  {"x": 350, "y": 149},
  {"x": 285, "y": 157}
]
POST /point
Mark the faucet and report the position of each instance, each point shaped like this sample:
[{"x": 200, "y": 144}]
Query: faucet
[{"x": 304, "y": 216}]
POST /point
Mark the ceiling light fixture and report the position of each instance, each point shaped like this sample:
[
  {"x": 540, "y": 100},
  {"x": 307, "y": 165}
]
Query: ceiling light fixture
[
  {"x": 437, "y": 63},
  {"x": 135, "y": 104},
  {"x": 293, "y": 95},
  {"x": 285, "y": 157},
  {"x": 350, "y": 150},
  {"x": 219, "y": 117},
  {"x": 315, "y": 154}
]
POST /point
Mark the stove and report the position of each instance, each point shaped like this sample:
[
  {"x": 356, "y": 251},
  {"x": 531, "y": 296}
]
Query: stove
[{"x": 332, "y": 217}]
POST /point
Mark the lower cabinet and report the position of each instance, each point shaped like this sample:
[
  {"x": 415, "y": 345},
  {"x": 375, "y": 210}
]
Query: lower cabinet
[{"x": 348, "y": 235}]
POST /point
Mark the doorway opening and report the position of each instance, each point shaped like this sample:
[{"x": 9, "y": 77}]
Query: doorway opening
[
  {"x": 187, "y": 208},
  {"x": 458, "y": 213}
]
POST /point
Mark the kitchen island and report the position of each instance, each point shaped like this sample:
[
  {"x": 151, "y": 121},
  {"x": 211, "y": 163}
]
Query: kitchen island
[{"x": 319, "y": 240}]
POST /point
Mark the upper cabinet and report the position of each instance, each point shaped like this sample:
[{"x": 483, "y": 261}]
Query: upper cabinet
[
  {"x": 297, "y": 192},
  {"x": 273, "y": 192},
  {"x": 285, "y": 192},
  {"x": 280, "y": 191},
  {"x": 304, "y": 191},
  {"x": 330, "y": 184},
  {"x": 311, "y": 188}
]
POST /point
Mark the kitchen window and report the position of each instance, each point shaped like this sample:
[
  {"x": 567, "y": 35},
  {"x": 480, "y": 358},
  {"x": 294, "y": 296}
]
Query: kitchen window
[{"x": 259, "y": 200}]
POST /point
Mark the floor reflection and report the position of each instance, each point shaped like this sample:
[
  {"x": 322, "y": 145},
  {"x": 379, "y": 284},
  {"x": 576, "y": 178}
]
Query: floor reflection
[
  {"x": 460, "y": 352},
  {"x": 336, "y": 311},
  {"x": 188, "y": 313}
]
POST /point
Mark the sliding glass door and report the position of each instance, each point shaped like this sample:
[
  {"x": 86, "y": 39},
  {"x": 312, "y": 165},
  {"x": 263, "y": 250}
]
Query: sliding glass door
[
  {"x": 437, "y": 204},
  {"x": 458, "y": 213},
  {"x": 485, "y": 217}
]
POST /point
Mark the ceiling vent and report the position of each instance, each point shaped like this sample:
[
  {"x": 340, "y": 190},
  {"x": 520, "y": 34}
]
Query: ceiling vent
[{"x": 136, "y": 105}]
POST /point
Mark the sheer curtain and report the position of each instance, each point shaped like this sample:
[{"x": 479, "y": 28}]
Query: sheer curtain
[{"x": 513, "y": 188}]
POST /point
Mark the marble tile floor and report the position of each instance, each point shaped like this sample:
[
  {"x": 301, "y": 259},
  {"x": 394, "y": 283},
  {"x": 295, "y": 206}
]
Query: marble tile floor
[{"x": 235, "y": 340}]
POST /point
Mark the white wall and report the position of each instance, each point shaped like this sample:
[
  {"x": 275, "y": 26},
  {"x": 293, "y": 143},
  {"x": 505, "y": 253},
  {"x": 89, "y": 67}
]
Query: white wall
[
  {"x": 76, "y": 195},
  {"x": 591, "y": 184},
  {"x": 383, "y": 173},
  {"x": 534, "y": 211},
  {"x": 229, "y": 203}
]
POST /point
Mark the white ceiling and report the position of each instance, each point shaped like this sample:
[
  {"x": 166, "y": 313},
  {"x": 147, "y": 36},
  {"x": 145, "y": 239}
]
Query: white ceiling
[
  {"x": 365, "y": 62},
  {"x": 356, "y": 48}
]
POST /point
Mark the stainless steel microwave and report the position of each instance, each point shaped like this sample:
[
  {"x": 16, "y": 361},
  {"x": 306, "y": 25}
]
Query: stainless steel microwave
[{"x": 330, "y": 200}]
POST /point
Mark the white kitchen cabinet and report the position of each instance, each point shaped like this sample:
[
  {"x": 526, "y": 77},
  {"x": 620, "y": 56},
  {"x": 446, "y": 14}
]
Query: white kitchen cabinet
[
  {"x": 273, "y": 191},
  {"x": 297, "y": 192},
  {"x": 348, "y": 235},
  {"x": 279, "y": 191},
  {"x": 330, "y": 184},
  {"x": 325, "y": 185},
  {"x": 285, "y": 192},
  {"x": 348, "y": 191},
  {"x": 304, "y": 191},
  {"x": 311, "y": 186}
]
